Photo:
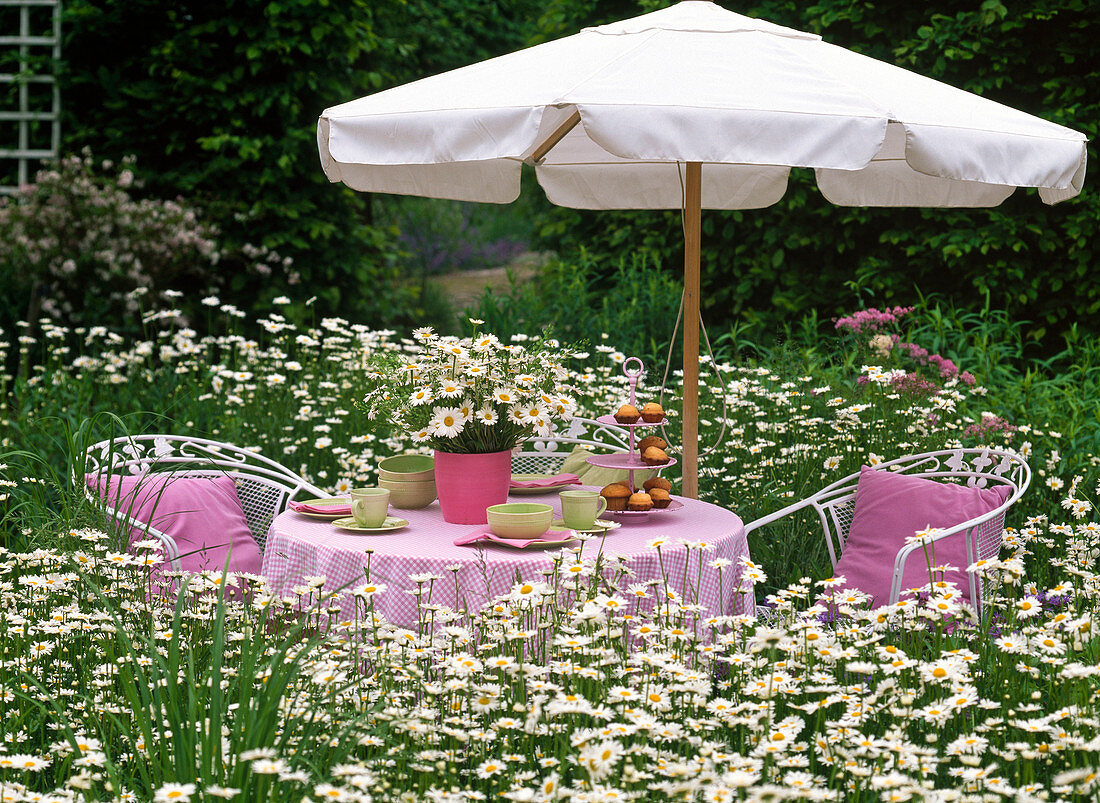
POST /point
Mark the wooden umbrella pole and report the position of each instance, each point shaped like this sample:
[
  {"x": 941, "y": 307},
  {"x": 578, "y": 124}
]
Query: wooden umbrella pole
[{"x": 692, "y": 245}]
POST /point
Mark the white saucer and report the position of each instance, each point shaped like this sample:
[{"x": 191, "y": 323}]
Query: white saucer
[
  {"x": 520, "y": 543},
  {"x": 388, "y": 525}
]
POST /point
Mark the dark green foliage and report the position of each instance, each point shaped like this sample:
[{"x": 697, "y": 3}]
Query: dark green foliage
[
  {"x": 634, "y": 306},
  {"x": 763, "y": 266},
  {"x": 219, "y": 102}
]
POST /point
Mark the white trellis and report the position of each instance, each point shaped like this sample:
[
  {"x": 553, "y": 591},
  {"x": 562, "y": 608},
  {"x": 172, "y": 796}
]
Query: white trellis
[{"x": 30, "y": 117}]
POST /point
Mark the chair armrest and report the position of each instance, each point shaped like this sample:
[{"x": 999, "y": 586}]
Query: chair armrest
[
  {"x": 968, "y": 527},
  {"x": 779, "y": 514}
]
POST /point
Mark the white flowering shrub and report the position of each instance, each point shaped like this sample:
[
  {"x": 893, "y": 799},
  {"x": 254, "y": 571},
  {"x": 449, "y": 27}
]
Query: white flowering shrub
[
  {"x": 81, "y": 245},
  {"x": 84, "y": 242}
]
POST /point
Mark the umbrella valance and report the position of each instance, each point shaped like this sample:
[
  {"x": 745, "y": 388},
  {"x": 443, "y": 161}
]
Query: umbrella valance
[{"x": 695, "y": 83}]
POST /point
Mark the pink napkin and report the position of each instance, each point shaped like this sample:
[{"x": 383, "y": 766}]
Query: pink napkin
[
  {"x": 484, "y": 534},
  {"x": 549, "y": 482},
  {"x": 335, "y": 510}
]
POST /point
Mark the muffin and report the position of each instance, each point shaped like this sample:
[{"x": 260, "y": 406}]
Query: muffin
[
  {"x": 657, "y": 482},
  {"x": 660, "y": 497},
  {"x": 627, "y": 414},
  {"x": 654, "y": 456},
  {"x": 616, "y": 495},
  {"x": 639, "y": 501},
  {"x": 653, "y": 413},
  {"x": 651, "y": 440}
]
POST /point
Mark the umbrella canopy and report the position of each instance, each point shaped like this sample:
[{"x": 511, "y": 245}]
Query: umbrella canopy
[{"x": 691, "y": 107}]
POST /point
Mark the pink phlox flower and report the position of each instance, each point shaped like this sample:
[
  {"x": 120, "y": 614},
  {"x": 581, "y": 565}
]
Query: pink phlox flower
[
  {"x": 871, "y": 319},
  {"x": 991, "y": 425},
  {"x": 914, "y": 385}
]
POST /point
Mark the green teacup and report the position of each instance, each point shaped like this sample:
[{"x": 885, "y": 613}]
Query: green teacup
[
  {"x": 580, "y": 509},
  {"x": 369, "y": 506}
]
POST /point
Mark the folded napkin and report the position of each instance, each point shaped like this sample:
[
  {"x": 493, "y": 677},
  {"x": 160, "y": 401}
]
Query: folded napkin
[
  {"x": 485, "y": 534},
  {"x": 334, "y": 509},
  {"x": 549, "y": 482}
]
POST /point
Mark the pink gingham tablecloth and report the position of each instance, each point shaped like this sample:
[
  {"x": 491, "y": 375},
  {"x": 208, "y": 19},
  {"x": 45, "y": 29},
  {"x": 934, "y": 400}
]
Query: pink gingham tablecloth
[{"x": 299, "y": 548}]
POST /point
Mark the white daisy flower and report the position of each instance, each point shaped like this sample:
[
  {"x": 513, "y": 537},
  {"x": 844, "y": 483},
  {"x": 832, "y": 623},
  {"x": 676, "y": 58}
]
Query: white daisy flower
[
  {"x": 446, "y": 422},
  {"x": 485, "y": 343},
  {"x": 453, "y": 350}
]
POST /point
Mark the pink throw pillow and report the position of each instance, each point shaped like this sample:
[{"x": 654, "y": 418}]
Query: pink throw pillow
[
  {"x": 890, "y": 508},
  {"x": 202, "y": 514}
]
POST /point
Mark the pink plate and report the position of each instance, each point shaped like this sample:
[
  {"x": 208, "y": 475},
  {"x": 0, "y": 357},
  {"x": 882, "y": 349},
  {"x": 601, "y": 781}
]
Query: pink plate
[
  {"x": 641, "y": 514},
  {"x": 627, "y": 460},
  {"x": 610, "y": 420}
]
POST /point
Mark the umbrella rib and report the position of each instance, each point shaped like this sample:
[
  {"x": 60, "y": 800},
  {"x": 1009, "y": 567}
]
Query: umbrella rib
[{"x": 539, "y": 153}]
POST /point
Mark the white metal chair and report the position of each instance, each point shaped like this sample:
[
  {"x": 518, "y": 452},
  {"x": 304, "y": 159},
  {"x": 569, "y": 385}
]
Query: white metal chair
[
  {"x": 263, "y": 486},
  {"x": 545, "y": 455},
  {"x": 976, "y": 467}
]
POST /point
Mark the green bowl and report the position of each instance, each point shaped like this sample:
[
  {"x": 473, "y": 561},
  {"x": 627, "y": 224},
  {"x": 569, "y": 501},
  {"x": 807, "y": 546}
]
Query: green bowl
[
  {"x": 407, "y": 467},
  {"x": 411, "y": 494},
  {"x": 519, "y": 519}
]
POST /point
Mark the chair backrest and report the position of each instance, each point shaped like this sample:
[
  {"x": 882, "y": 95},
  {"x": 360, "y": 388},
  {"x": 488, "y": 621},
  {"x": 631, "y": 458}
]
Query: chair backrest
[
  {"x": 545, "y": 455},
  {"x": 263, "y": 485},
  {"x": 976, "y": 467}
]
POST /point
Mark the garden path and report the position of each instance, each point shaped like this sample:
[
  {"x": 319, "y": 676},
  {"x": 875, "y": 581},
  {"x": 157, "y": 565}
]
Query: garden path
[{"x": 462, "y": 288}]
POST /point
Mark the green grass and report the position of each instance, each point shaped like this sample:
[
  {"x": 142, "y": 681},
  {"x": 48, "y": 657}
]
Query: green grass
[{"x": 117, "y": 693}]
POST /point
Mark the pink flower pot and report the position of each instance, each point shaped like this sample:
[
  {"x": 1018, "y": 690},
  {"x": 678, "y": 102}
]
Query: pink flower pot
[{"x": 469, "y": 483}]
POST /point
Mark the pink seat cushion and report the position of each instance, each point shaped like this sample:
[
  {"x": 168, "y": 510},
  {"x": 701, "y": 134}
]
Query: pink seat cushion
[
  {"x": 203, "y": 515},
  {"x": 889, "y": 508}
]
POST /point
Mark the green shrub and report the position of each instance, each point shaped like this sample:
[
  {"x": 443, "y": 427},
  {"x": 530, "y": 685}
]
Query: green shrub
[
  {"x": 220, "y": 104},
  {"x": 623, "y": 302}
]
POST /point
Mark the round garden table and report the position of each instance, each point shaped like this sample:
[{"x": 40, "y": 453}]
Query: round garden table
[{"x": 694, "y": 536}]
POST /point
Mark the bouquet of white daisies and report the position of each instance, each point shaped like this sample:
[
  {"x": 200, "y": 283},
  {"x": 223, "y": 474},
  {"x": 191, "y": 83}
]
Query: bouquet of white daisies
[{"x": 469, "y": 395}]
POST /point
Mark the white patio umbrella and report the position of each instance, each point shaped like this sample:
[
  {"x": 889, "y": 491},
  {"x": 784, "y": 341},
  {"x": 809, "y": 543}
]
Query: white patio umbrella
[{"x": 693, "y": 107}]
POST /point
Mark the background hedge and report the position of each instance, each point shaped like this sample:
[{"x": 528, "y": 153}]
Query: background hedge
[{"x": 219, "y": 104}]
